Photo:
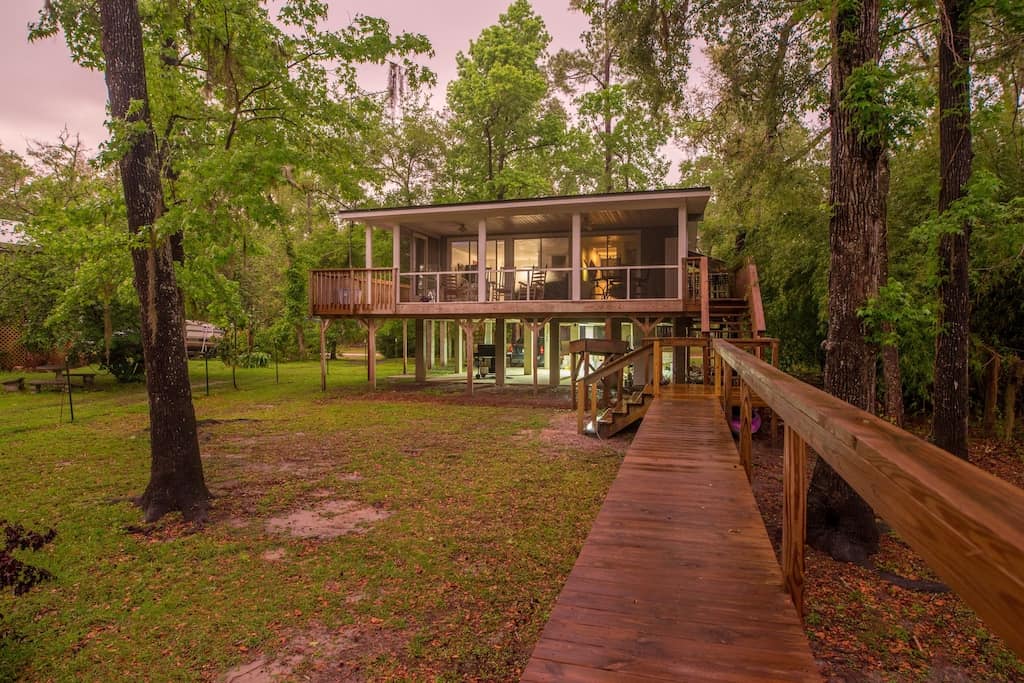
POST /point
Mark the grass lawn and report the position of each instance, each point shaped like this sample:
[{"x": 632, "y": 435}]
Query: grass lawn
[{"x": 478, "y": 512}]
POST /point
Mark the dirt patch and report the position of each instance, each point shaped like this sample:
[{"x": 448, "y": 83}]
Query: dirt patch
[
  {"x": 319, "y": 655},
  {"x": 274, "y": 555},
  {"x": 330, "y": 519},
  {"x": 561, "y": 434}
]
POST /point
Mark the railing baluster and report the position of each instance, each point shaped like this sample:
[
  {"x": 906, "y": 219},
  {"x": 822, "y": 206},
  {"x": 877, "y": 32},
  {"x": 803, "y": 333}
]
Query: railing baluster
[
  {"x": 794, "y": 515},
  {"x": 581, "y": 401},
  {"x": 745, "y": 428}
]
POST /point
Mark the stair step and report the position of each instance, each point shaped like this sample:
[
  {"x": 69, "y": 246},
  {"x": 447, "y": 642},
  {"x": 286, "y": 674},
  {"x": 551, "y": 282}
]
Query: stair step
[
  {"x": 636, "y": 399},
  {"x": 606, "y": 417},
  {"x": 621, "y": 409}
]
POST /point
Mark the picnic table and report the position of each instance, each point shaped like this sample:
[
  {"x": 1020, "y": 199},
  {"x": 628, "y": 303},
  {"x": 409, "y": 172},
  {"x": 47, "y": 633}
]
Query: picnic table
[
  {"x": 15, "y": 384},
  {"x": 60, "y": 373},
  {"x": 38, "y": 384}
]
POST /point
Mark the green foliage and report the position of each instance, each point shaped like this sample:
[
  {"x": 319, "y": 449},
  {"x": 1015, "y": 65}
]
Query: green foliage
[
  {"x": 254, "y": 359},
  {"x": 125, "y": 363},
  {"x": 897, "y": 317},
  {"x": 884, "y": 105},
  {"x": 505, "y": 126},
  {"x": 262, "y": 131},
  {"x": 454, "y": 478},
  {"x": 72, "y": 283},
  {"x": 625, "y": 132}
]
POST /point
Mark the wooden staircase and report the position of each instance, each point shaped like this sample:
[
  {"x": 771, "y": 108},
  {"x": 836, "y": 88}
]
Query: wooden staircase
[
  {"x": 625, "y": 412},
  {"x": 605, "y": 404},
  {"x": 730, "y": 318}
]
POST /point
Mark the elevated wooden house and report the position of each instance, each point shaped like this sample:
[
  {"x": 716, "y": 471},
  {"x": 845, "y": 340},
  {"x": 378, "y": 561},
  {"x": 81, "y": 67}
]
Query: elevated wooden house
[{"x": 622, "y": 266}]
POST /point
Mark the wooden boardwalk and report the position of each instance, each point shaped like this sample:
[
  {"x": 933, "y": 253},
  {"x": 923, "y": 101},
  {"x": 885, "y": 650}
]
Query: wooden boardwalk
[{"x": 677, "y": 580}]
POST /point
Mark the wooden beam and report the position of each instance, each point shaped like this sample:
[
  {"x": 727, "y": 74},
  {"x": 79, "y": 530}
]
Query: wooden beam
[
  {"x": 324, "y": 324},
  {"x": 469, "y": 329},
  {"x": 372, "y": 325},
  {"x": 794, "y": 515}
]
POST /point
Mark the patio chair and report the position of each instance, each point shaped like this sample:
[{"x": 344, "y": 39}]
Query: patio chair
[{"x": 533, "y": 289}]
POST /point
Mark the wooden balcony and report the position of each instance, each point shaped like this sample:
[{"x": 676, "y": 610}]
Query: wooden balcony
[
  {"x": 348, "y": 292},
  {"x": 512, "y": 292}
]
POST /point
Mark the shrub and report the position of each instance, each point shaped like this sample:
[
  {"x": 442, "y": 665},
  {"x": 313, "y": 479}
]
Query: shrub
[
  {"x": 13, "y": 572},
  {"x": 125, "y": 357},
  {"x": 254, "y": 359}
]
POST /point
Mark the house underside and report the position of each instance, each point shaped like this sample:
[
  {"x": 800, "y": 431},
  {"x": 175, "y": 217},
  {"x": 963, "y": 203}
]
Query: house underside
[{"x": 514, "y": 276}]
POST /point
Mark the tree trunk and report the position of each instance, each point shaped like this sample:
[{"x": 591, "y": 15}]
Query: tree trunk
[
  {"x": 176, "y": 471},
  {"x": 838, "y": 520},
  {"x": 992, "y": 374},
  {"x": 300, "y": 338},
  {"x": 950, "y": 395},
  {"x": 108, "y": 331},
  {"x": 892, "y": 378},
  {"x": 1014, "y": 378}
]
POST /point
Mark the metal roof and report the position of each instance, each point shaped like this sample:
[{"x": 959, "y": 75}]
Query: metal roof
[
  {"x": 10, "y": 232},
  {"x": 653, "y": 208}
]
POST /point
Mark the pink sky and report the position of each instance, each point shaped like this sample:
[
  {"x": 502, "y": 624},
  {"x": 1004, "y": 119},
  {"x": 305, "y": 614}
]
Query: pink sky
[{"x": 45, "y": 91}]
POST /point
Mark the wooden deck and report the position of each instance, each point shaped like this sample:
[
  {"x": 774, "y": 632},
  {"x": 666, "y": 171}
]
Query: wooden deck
[{"x": 677, "y": 580}]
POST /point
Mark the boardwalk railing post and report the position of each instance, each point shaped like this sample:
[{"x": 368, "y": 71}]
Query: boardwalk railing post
[
  {"x": 718, "y": 374},
  {"x": 656, "y": 369},
  {"x": 593, "y": 404},
  {"x": 794, "y": 515},
  {"x": 581, "y": 403},
  {"x": 727, "y": 389},
  {"x": 745, "y": 428}
]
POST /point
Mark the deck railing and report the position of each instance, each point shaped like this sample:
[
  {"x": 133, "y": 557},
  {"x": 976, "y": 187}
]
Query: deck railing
[
  {"x": 964, "y": 522},
  {"x": 748, "y": 286},
  {"x": 343, "y": 291},
  {"x": 373, "y": 291}
]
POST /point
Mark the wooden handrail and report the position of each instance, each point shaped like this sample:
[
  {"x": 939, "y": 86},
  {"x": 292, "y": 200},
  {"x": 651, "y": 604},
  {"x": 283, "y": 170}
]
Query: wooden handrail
[
  {"x": 748, "y": 286},
  {"x": 964, "y": 522},
  {"x": 619, "y": 363},
  {"x": 614, "y": 368}
]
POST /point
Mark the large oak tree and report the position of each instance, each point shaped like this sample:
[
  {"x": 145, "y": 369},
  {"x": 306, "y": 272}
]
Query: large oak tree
[
  {"x": 952, "y": 345},
  {"x": 176, "y": 471},
  {"x": 838, "y": 520}
]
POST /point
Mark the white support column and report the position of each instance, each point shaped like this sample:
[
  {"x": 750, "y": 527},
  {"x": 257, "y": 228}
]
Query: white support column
[
  {"x": 368, "y": 282},
  {"x": 683, "y": 249},
  {"x": 444, "y": 343},
  {"x": 460, "y": 350},
  {"x": 481, "y": 260},
  {"x": 577, "y": 254},
  {"x": 396, "y": 260},
  {"x": 369, "y": 246}
]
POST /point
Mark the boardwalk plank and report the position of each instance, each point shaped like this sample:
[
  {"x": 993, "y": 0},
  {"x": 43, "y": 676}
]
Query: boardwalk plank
[{"x": 677, "y": 579}]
